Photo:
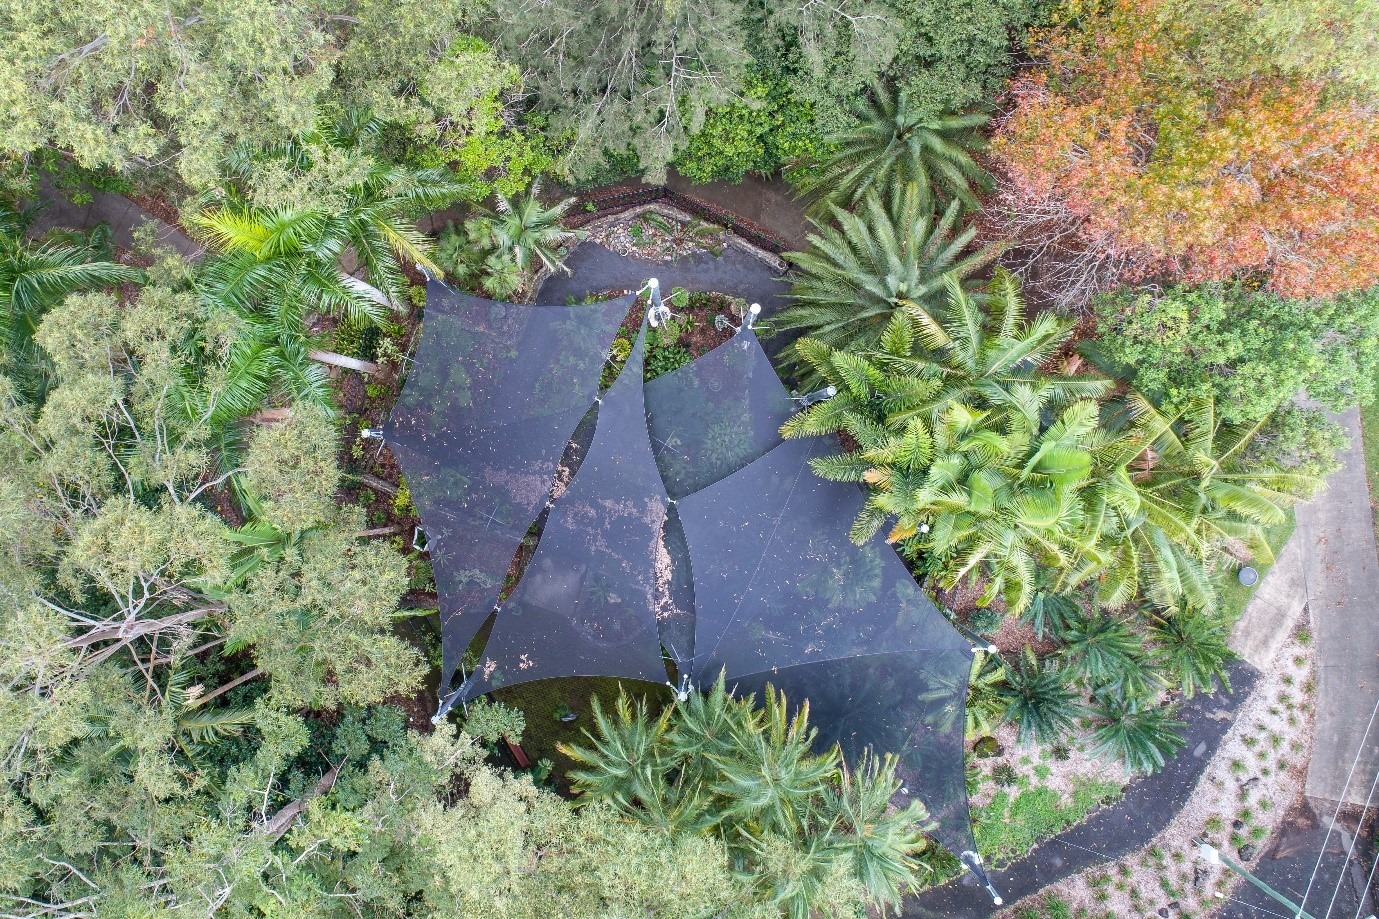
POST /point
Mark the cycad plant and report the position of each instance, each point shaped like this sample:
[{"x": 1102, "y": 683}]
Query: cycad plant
[
  {"x": 985, "y": 695},
  {"x": 896, "y": 142},
  {"x": 1134, "y": 730},
  {"x": 890, "y": 256},
  {"x": 796, "y": 820},
  {"x": 1039, "y": 700},
  {"x": 1050, "y": 613},
  {"x": 1191, "y": 650},
  {"x": 1105, "y": 654}
]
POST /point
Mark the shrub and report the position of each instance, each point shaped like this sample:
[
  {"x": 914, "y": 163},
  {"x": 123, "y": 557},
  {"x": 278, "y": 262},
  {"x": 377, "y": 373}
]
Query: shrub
[
  {"x": 1252, "y": 351},
  {"x": 767, "y": 128},
  {"x": 985, "y": 622}
]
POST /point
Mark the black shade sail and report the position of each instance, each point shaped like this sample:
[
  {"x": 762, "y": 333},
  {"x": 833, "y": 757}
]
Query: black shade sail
[{"x": 691, "y": 540}]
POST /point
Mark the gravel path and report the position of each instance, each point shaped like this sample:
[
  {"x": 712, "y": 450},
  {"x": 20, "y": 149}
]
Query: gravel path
[{"x": 1149, "y": 805}]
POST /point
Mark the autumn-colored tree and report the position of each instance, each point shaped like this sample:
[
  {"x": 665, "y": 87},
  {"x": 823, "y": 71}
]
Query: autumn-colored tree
[{"x": 1136, "y": 153}]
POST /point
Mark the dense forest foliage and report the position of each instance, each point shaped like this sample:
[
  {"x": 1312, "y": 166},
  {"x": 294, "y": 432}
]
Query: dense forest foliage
[{"x": 1071, "y": 267}]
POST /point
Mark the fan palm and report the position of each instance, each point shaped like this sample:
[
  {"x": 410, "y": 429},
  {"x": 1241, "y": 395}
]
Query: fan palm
[
  {"x": 895, "y": 143},
  {"x": 889, "y": 256},
  {"x": 531, "y": 232},
  {"x": 36, "y": 275},
  {"x": 1039, "y": 700},
  {"x": 1139, "y": 733}
]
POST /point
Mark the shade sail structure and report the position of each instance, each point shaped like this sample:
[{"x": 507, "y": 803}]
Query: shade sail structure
[
  {"x": 495, "y": 393},
  {"x": 777, "y": 582},
  {"x": 715, "y": 415},
  {"x": 691, "y": 541},
  {"x": 706, "y": 421},
  {"x": 586, "y": 605},
  {"x": 907, "y": 703}
]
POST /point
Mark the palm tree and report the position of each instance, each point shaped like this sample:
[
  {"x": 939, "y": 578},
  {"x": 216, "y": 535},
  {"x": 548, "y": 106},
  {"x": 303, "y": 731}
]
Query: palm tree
[
  {"x": 1184, "y": 502},
  {"x": 1139, "y": 733},
  {"x": 1192, "y": 650},
  {"x": 978, "y": 491},
  {"x": 530, "y": 231},
  {"x": 986, "y": 349},
  {"x": 889, "y": 256},
  {"x": 292, "y": 251},
  {"x": 897, "y": 143},
  {"x": 1039, "y": 700},
  {"x": 36, "y": 275},
  {"x": 277, "y": 264}
]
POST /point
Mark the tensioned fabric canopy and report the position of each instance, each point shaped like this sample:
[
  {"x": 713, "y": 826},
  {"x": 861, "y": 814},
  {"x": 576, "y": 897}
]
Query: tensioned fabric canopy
[{"x": 689, "y": 540}]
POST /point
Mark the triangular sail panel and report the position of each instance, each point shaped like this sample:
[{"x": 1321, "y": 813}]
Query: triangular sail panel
[
  {"x": 586, "y": 605},
  {"x": 706, "y": 421},
  {"x": 778, "y": 583},
  {"x": 495, "y": 392}
]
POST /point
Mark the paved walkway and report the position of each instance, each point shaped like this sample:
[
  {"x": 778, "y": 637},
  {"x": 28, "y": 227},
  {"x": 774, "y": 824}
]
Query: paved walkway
[
  {"x": 1148, "y": 806},
  {"x": 122, "y": 214},
  {"x": 769, "y": 203},
  {"x": 1341, "y": 576}
]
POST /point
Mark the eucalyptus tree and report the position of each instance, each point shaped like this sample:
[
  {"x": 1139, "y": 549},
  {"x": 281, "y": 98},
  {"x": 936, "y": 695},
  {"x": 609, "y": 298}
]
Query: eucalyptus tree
[
  {"x": 890, "y": 256},
  {"x": 896, "y": 142}
]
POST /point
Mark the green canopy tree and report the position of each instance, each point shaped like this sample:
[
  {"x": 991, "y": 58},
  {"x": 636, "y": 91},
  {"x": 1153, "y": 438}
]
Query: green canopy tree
[
  {"x": 36, "y": 275},
  {"x": 144, "y": 84}
]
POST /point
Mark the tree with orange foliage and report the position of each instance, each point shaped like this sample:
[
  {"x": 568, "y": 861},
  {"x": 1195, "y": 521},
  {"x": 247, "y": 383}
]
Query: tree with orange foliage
[{"x": 1131, "y": 156}]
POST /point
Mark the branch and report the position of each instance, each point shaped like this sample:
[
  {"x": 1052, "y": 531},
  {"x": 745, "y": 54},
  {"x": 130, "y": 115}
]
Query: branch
[
  {"x": 221, "y": 690},
  {"x": 279, "y": 823}
]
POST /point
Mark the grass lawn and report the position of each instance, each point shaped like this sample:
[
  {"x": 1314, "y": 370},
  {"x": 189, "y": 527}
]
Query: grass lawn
[
  {"x": 1235, "y": 595},
  {"x": 544, "y": 700}
]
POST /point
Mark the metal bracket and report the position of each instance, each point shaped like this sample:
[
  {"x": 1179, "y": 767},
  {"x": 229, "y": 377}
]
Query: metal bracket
[
  {"x": 818, "y": 395},
  {"x": 682, "y": 692},
  {"x": 749, "y": 321},
  {"x": 973, "y": 861}
]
